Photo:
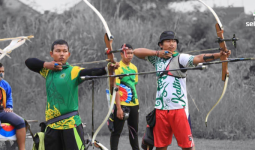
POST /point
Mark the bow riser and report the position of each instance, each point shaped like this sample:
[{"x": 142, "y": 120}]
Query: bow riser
[
  {"x": 223, "y": 47},
  {"x": 108, "y": 42}
]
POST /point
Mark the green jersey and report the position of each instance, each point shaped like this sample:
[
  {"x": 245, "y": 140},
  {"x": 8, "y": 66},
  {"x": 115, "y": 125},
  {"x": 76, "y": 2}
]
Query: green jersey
[
  {"x": 62, "y": 95},
  {"x": 127, "y": 90}
]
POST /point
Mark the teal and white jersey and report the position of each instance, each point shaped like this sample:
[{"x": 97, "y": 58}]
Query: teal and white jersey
[{"x": 171, "y": 91}]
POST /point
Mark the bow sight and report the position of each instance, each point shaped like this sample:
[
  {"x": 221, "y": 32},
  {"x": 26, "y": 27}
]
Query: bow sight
[{"x": 234, "y": 39}]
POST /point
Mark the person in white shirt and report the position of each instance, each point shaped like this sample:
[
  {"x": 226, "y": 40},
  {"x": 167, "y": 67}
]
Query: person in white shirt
[{"x": 172, "y": 116}]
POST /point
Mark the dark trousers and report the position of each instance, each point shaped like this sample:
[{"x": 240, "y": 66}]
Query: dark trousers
[
  {"x": 68, "y": 139},
  {"x": 13, "y": 119},
  {"x": 132, "y": 122}
]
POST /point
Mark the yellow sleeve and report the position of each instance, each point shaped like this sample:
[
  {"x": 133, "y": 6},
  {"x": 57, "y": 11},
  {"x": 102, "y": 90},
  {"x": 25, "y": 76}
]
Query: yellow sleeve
[
  {"x": 117, "y": 79},
  {"x": 75, "y": 72}
]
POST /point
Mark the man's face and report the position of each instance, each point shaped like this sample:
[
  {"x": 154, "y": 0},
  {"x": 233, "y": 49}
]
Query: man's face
[
  {"x": 60, "y": 53},
  {"x": 169, "y": 45},
  {"x": 129, "y": 56},
  {"x": 1, "y": 72}
]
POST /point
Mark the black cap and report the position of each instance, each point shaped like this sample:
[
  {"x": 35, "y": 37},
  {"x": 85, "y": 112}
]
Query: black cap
[{"x": 167, "y": 35}]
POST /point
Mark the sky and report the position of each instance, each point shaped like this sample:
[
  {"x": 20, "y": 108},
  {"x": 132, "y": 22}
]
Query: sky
[
  {"x": 61, "y": 5},
  {"x": 58, "y": 6},
  {"x": 249, "y": 5}
]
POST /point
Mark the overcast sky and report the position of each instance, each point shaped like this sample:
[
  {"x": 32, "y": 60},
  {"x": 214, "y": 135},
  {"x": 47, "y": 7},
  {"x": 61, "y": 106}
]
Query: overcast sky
[
  {"x": 62, "y": 5},
  {"x": 249, "y": 5}
]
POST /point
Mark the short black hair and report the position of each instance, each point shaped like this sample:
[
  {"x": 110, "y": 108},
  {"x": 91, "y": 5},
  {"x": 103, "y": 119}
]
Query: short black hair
[
  {"x": 1, "y": 65},
  {"x": 59, "y": 42},
  {"x": 128, "y": 45}
]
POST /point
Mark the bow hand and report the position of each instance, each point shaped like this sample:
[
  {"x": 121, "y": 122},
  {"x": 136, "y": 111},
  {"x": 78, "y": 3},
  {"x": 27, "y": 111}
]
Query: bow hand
[
  {"x": 112, "y": 66},
  {"x": 225, "y": 53}
]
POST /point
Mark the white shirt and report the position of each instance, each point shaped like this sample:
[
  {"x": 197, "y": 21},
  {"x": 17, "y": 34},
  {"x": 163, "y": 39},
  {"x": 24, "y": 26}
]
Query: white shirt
[{"x": 171, "y": 91}]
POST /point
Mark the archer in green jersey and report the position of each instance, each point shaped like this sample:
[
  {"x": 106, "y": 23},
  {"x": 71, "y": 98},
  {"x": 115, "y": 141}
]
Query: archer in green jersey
[{"x": 62, "y": 82}]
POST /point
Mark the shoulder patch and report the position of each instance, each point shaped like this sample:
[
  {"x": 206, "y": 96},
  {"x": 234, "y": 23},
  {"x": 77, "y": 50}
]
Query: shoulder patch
[{"x": 75, "y": 72}]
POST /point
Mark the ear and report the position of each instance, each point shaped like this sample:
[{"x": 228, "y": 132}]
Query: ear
[
  {"x": 51, "y": 54},
  {"x": 161, "y": 45}
]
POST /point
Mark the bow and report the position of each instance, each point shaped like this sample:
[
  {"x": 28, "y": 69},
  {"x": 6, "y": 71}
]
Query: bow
[
  {"x": 223, "y": 47},
  {"x": 21, "y": 37},
  {"x": 108, "y": 38},
  {"x": 15, "y": 43}
]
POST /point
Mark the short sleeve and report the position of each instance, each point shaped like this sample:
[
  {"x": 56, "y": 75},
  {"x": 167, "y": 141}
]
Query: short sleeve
[
  {"x": 117, "y": 79},
  {"x": 152, "y": 59},
  {"x": 75, "y": 74},
  {"x": 186, "y": 60},
  {"x": 136, "y": 76}
]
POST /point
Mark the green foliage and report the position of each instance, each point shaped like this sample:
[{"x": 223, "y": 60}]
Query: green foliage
[{"x": 232, "y": 119}]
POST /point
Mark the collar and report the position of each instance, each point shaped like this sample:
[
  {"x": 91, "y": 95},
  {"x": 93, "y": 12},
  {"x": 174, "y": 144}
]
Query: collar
[
  {"x": 175, "y": 53},
  {"x": 123, "y": 64},
  {"x": 66, "y": 65}
]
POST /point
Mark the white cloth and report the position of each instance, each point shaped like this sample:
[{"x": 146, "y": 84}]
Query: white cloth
[{"x": 171, "y": 91}]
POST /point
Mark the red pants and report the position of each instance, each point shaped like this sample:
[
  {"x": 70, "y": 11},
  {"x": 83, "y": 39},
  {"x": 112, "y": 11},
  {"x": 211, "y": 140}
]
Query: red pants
[{"x": 169, "y": 122}]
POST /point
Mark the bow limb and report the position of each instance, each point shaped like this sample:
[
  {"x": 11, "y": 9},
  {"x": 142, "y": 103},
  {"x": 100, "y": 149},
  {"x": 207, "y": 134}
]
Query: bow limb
[
  {"x": 108, "y": 38},
  {"x": 107, "y": 30},
  {"x": 21, "y": 37},
  {"x": 213, "y": 12},
  {"x": 223, "y": 93},
  {"x": 223, "y": 47},
  {"x": 15, "y": 43}
]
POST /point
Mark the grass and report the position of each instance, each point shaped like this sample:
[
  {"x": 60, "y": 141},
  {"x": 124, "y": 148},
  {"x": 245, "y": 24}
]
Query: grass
[
  {"x": 204, "y": 144},
  {"x": 200, "y": 144}
]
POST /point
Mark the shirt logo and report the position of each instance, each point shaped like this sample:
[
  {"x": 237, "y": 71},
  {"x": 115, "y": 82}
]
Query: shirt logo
[
  {"x": 178, "y": 95},
  {"x": 62, "y": 75},
  {"x": 191, "y": 139}
]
